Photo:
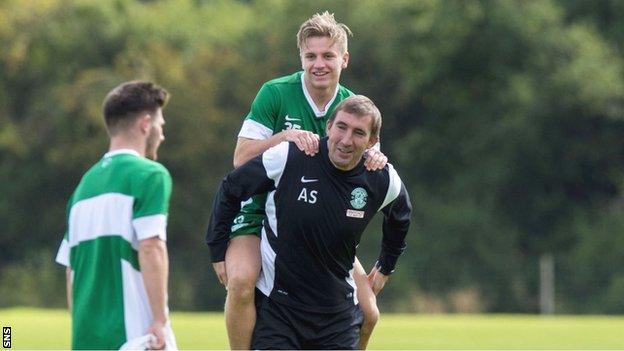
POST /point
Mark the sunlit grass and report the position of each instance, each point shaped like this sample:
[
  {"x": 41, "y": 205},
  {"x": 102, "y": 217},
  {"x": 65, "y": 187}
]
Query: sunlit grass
[{"x": 50, "y": 329}]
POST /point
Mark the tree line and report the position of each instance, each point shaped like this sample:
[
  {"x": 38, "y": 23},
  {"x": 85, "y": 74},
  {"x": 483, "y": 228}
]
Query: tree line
[{"x": 504, "y": 118}]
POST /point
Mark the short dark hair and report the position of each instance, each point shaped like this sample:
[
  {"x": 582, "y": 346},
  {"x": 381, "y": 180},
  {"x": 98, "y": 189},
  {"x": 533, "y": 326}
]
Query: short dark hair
[
  {"x": 128, "y": 100},
  {"x": 360, "y": 106}
]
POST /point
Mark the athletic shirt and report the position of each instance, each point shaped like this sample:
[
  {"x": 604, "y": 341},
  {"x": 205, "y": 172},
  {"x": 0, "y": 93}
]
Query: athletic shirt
[
  {"x": 316, "y": 214},
  {"x": 122, "y": 199},
  {"x": 284, "y": 103}
]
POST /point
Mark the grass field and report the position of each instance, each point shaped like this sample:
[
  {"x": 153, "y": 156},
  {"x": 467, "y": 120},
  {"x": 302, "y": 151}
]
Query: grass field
[{"x": 49, "y": 329}]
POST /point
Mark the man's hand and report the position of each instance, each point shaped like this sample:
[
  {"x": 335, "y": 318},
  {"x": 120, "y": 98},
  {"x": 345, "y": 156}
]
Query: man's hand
[
  {"x": 158, "y": 329},
  {"x": 375, "y": 160},
  {"x": 219, "y": 268},
  {"x": 307, "y": 142},
  {"x": 377, "y": 280}
]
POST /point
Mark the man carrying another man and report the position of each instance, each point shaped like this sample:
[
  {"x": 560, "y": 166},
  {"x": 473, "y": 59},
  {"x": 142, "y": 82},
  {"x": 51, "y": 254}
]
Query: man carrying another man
[
  {"x": 291, "y": 108},
  {"x": 317, "y": 209}
]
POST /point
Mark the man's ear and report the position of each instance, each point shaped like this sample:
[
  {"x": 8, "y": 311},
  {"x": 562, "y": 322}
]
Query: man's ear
[
  {"x": 345, "y": 60},
  {"x": 328, "y": 126},
  {"x": 145, "y": 123},
  {"x": 374, "y": 139}
]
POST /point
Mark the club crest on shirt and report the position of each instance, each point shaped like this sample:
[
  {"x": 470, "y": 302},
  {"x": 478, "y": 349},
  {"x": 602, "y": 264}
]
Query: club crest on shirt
[{"x": 358, "y": 198}]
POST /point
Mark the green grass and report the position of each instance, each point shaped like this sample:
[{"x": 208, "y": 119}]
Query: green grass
[{"x": 49, "y": 329}]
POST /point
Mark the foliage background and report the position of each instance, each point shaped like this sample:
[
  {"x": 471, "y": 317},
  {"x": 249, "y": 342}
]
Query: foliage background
[{"x": 504, "y": 119}]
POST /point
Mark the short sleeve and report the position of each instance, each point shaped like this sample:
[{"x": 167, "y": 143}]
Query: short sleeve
[
  {"x": 62, "y": 256},
  {"x": 151, "y": 205},
  {"x": 274, "y": 161},
  {"x": 261, "y": 119}
]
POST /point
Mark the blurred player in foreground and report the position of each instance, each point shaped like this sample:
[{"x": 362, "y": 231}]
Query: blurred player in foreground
[{"x": 115, "y": 245}]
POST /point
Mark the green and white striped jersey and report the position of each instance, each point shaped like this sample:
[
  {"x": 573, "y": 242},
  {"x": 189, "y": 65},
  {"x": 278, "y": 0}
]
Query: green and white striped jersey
[
  {"x": 285, "y": 103},
  {"x": 122, "y": 199}
]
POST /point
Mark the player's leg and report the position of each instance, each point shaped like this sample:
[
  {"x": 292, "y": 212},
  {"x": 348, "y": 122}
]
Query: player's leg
[
  {"x": 368, "y": 303},
  {"x": 242, "y": 262}
]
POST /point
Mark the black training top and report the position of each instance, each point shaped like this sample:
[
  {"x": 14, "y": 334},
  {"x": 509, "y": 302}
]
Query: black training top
[{"x": 316, "y": 214}]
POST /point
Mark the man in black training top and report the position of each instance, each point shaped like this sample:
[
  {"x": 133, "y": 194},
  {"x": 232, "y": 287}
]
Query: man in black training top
[{"x": 317, "y": 209}]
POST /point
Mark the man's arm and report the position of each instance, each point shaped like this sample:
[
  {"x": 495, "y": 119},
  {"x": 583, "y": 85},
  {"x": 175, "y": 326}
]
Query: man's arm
[
  {"x": 258, "y": 176},
  {"x": 246, "y": 148},
  {"x": 377, "y": 280},
  {"x": 69, "y": 283},
  {"x": 395, "y": 227},
  {"x": 62, "y": 257},
  {"x": 155, "y": 270}
]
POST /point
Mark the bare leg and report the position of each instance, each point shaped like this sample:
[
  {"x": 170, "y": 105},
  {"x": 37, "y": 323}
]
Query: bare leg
[
  {"x": 242, "y": 262},
  {"x": 368, "y": 304}
]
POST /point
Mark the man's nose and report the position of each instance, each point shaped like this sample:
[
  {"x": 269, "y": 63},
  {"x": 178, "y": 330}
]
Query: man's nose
[{"x": 347, "y": 138}]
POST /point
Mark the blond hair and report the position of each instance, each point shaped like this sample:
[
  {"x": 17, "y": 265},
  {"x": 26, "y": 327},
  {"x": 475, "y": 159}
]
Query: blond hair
[{"x": 324, "y": 25}]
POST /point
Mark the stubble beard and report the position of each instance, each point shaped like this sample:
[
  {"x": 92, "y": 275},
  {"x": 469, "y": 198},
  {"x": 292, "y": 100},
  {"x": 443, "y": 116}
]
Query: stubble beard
[{"x": 151, "y": 147}]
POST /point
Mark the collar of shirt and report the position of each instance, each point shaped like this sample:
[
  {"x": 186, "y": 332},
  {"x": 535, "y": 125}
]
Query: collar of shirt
[{"x": 122, "y": 151}]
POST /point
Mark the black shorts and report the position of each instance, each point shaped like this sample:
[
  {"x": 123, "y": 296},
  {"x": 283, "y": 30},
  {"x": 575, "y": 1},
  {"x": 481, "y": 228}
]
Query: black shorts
[{"x": 280, "y": 327}]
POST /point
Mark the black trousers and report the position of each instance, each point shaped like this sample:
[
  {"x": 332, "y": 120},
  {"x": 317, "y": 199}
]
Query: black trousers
[{"x": 281, "y": 327}]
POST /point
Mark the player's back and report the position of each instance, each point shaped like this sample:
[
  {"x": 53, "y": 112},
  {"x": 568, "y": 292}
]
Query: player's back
[{"x": 110, "y": 303}]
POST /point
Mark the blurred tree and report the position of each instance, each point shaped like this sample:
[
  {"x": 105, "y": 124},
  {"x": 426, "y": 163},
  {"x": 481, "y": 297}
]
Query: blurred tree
[
  {"x": 503, "y": 119},
  {"x": 506, "y": 109}
]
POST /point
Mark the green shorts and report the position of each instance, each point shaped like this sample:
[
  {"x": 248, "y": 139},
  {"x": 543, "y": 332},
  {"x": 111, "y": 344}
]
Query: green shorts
[{"x": 249, "y": 219}]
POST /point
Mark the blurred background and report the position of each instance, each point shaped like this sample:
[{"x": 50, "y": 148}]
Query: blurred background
[{"x": 504, "y": 118}]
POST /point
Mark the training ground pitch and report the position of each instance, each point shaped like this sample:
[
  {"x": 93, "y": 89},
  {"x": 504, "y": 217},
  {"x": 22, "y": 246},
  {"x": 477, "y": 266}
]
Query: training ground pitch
[{"x": 33, "y": 328}]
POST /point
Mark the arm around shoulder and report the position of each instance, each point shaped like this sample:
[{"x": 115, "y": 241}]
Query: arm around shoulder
[{"x": 246, "y": 148}]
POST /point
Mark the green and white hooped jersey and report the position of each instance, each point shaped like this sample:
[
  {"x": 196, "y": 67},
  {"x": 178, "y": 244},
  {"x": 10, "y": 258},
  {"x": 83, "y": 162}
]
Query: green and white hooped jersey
[
  {"x": 122, "y": 199},
  {"x": 285, "y": 103}
]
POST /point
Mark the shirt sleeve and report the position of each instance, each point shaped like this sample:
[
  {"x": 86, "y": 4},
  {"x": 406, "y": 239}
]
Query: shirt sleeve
[
  {"x": 260, "y": 121},
  {"x": 62, "y": 256},
  {"x": 152, "y": 205},
  {"x": 397, "y": 211},
  {"x": 258, "y": 176}
]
